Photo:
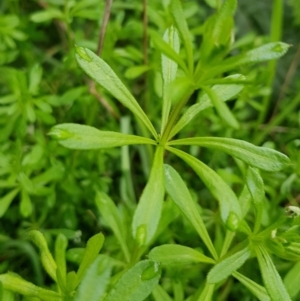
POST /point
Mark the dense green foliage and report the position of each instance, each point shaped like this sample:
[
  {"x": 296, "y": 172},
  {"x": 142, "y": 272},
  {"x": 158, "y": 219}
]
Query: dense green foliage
[{"x": 164, "y": 135}]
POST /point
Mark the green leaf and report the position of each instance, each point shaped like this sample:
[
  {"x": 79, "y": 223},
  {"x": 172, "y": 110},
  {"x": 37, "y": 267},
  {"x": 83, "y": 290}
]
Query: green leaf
[
  {"x": 226, "y": 267},
  {"x": 291, "y": 280},
  {"x": 222, "y": 109},
  {"x": 270, "y": 51},
  {"x": 111, "y": 216},
  {"x": 212, "y": 3},
  {"x": 160, "y": 294},
  {"x": 46, "y": 15},
  {"x": 79, "y": 136},
  {"x": 72, "y": 282},
  {"x": 148, "y": 211},
  {"x": 256, "y": 156},
  {"x": 229, "y": 205},
  {"x": 92, "y": 249},
  {"x": 25, "y": 182},
  {"x": 177, "y": 254},
  {"x": 95, "y": 281},
  {"x": 257, "y": 290},
  {"x": 6, "y": 200},
  {"x": 167, "y": 50},
  {"x": 207, "y": 292},
  {"x": 181, "y": 24},
  {"x": 99, "y": 71},
  {"x": 75, "y": 255},
  {"x": 224, "y": 22},
  {"x": 48, "y": 262},
  {"x": 181, "y": 196},
  {"x": 255, "y": 186},
  {"x": 179, "y": 89},
  {"x": 25, "y": 205},
  {"x": 61, "y": 245},
  {"x": 15, "y": 283},
  {"x": 245, "y": 200},
  {"x": 224, "y": 92},
  {"x": 6, "y": 295},
  {"x": 136, "y": 71},
  {"x": 263, "y": 53},
  {"x": 271, "y": 277},
  {"x": 169, "y": 70},
  {"x": 137, "y": 283},
  {"x": 35, "y": 77}
]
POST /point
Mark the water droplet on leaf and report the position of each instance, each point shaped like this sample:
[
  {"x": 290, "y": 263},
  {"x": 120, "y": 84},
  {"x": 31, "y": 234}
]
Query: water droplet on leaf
[
  {"x": 151, "y": 272},
  {"x": 232, "y": 222},
  {"x": 141, "y": 234},
  {"x": 83, "y": 53}
]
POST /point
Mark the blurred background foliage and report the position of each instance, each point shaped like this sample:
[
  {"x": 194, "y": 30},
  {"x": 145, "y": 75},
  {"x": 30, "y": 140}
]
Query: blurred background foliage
[{"x": 45, "y": 186}]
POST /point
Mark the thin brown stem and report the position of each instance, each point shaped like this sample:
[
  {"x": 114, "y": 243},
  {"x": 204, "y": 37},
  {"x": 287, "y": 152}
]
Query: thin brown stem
[
  {"x": 92, "y": 85},
  {"x": 103, "y": 101},
  {"x": 105, "y": 20}
]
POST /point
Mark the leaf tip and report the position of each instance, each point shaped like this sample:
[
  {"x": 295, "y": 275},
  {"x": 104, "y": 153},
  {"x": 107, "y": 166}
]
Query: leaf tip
[
  {"x": 82, "y": 53},
  {"x": 59, "y": 134}
]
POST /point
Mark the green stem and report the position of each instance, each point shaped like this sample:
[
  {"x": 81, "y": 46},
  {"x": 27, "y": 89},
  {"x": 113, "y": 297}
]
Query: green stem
[
  {"x": 174, "y": 116},
  {"x": 227, "y": 242}
]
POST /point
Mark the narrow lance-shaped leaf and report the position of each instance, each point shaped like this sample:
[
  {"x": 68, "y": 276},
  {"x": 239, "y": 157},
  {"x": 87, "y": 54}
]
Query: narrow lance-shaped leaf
[
  {"x": 256, "y": 156},
  {"x": 167, "y": 50},
  {"x": 46, "y": 257},
  {"x": 136, "y": 71},
  {"x": 77, "y": 136},
  {"x": 169, "y": 70},
  {"x": 137, "y": 283},
  {"x": 35, "y": 77},
  {"x": 257, "y": 290},
  {"x": 270, "y": 51},
  {"x": 291, "y": 280},
  {"x": 100, "y": 71},
  {"x": 222, "y": 109},
  {"x": 26, "y": 204},
  {"x": 72, "y": 281},
  {"x": 226, "y": 267},
  {"x": 6, "y": 201},
  {"x": 160, "y": 294},
  {"x": 229, "y": 205},
  {"x": 255, "y": 186},
  {"x": 177, "y": 254},
  {"x": 17, "y": 284},
  {"x": 245, "y": 200},
  {"x": 181, "y": 196},
  {"x": 61, "y": 245},
  {"x": 148, "y": 211},
  {"x": 181, "y": 24},
  {"x": 111, "y": 216},
  {"x": 207, "y": 292},
  {"x": 95, "y": 280},
  {"x": 92, "y": 249},
  {"x": 271, "y": 277},
  {"x": 224, "y": 21},
  {"x": 224, "y": 92},
  {"x": 45, "y": 15}
]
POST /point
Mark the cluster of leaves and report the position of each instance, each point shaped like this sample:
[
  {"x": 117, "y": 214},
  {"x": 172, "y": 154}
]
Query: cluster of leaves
[{"x": 192, "y": 71}]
